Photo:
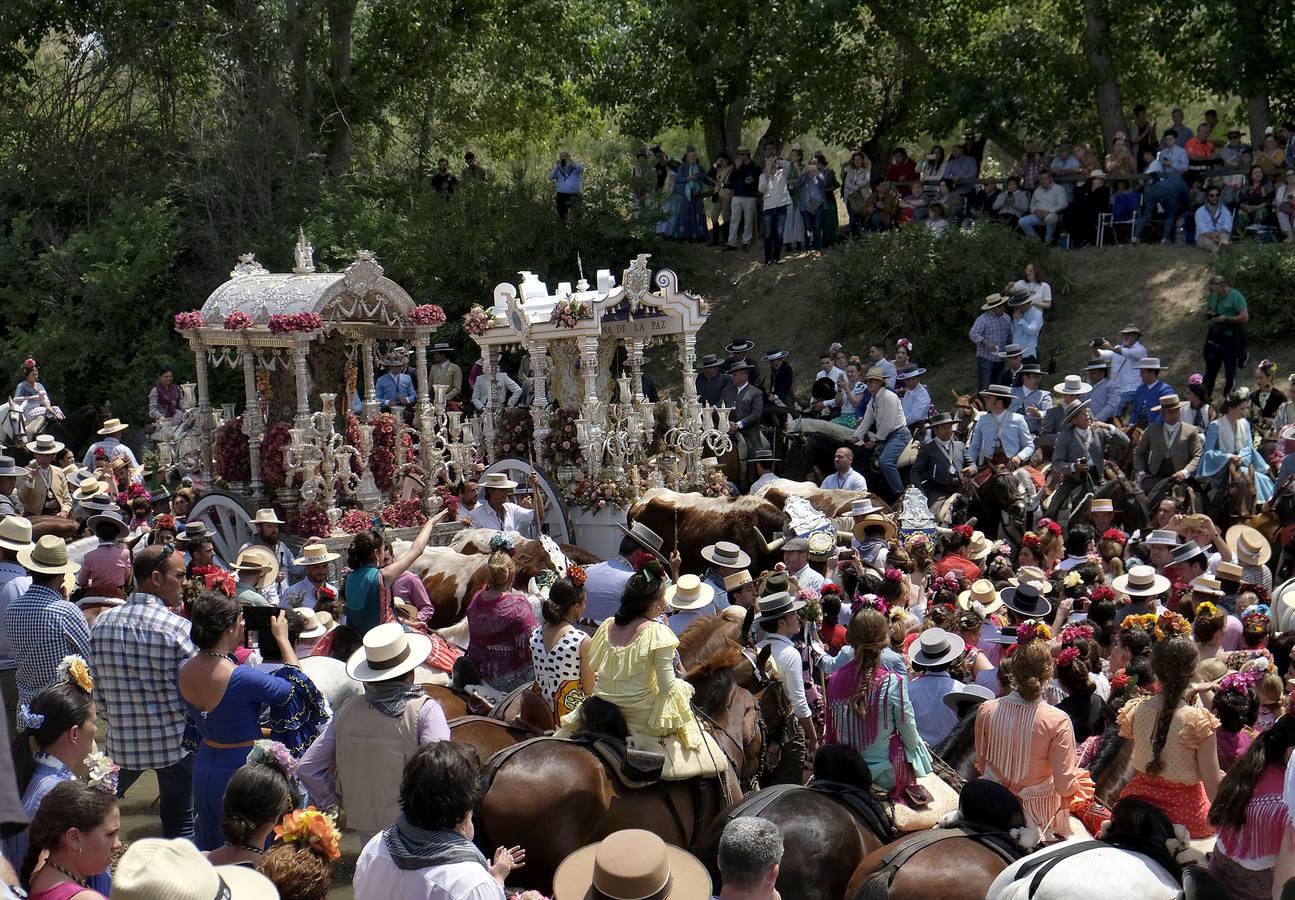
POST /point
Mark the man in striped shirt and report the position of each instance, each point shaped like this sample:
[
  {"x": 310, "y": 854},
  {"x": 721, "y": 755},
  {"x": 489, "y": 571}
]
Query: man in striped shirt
[{"x": 991, "y": 332}]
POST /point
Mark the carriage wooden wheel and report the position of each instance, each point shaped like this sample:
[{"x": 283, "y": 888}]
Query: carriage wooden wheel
[
  {"x": 230, "y": 520},
  {"x": 556, "y": 523}
]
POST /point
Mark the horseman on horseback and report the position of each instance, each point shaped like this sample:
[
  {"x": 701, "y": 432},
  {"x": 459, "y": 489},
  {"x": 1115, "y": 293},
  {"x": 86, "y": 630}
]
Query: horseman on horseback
[
  {"x": 1001, "y": 439},
  {"x": 1083, "y": 447},
  {"x": 1169, "y": 450}
]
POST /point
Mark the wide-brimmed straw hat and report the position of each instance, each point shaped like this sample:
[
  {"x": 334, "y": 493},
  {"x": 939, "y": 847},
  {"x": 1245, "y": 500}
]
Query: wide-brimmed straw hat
[
  {"x": 1206, "y": 583},
  {"x": 935, "y": 647},
  {"x": 1073, "y": 386},
  {"x": 388, "y": 652},
  {"x": 726, "y": 555},
  {"x": 1141, "y": 581},
  {"x": 112, "y": 426},
  {"x": 1034, "y": 575},
  {"x": 776, "y": 605},
  {"x": 315, "y": 554},
  {"x": 864, "y": 506},
  {"x": 822, "y": 545},
  {"x": 266, "y": 517},
  {"x": 1011, "y": 350},
  {"x": 159, "y": 869},
  {"x": 993, "y": 301},
  {"x": 631, "y": 865},
  {"x": 874, "y": 374},
  {"x": 1167, "y": 401},
  {"x": 315, "y": 623},
  {"x": 1101, "y": 504},
  {"x": 48, "y": 556},
  {"x": 689, "y": 592},
  {"x": 258, "y": 559},
  {"x": 8, "y": 467},
  {"x": 88, "y": 488},
  {"x": 15, "y": 533},
  {"x": 195, "y": 531},
  {"x": 498, "y": 480},
  {"x": 737, "y": 580},
  {"x": 1027, "y": 600},
  {"x": 979, "y": 547},
  {"x": 1187, "y": 551},
  {"x": 1248, "y": 545},
  {"x": 874, "y": 520},
  {"x": 1227, "y": 571},
  {"x": 776, "y": 353},
  {"x": 44, "y": 444},
  {"x": 1149, "y": 362},
  {"x": 982, "y": 591}
]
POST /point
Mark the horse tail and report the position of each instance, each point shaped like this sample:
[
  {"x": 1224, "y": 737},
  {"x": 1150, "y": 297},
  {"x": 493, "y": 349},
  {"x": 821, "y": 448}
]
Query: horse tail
[{"x": 877, "y": 887}]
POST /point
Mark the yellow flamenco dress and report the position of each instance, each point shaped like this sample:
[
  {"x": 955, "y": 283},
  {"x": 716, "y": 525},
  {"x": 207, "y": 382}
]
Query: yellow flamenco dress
[{"x": 640, "y": 680}]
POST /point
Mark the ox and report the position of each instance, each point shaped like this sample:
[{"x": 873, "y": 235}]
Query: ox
[
  {"x": 477, "y": 540},
  {"x": 704, "y": 520},
  {"x": 831, "y": 503}
]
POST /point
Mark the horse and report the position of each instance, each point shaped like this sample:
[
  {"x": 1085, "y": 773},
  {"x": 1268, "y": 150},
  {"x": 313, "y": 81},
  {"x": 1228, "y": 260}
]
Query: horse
[
  {"x": 1236, "y": 502},
  {"x": 488, "y": 736},
  {"x": 967, "y": 408},
  {"x": 74, "y": 431},
  {"x": 555, "y": 796},
  {"x": 1002, "y": 498}
]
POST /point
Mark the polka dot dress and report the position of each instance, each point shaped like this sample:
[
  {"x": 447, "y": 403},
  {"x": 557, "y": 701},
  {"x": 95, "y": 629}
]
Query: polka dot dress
[{"x": 557, "y": 671}]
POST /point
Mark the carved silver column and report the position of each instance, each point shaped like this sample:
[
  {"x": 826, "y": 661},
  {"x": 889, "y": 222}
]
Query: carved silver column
[
  {"x": 252, "y": 425},
  {"x": 539, "y": 351},
  {"x": 492, "y": 400},
  {"x": 422, "y": 405},
  {"x": 634, "y": 356},
  {"x": 300, "y": 348},
  {"x": 594, "y": 409},
  {"x": 370, "y": 394},
  {"x": 205, "y": 419}
]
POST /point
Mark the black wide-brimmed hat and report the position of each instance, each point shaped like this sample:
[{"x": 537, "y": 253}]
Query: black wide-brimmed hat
[{"x": 1027, "y": 600}]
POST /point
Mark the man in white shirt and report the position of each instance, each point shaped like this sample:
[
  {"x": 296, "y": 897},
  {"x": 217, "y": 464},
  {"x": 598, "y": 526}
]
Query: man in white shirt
[
  {"x": 828, "y": 369},
  {"x": 509, "y": 390},
  {"x": 762, "y": 464},
  {"x": 314, "y": 560},
  {"x": 795, "y": 556},
  {"x": 845, "y": 478},
  {"x": 884, "y": 423},
  {"x": 111, "y": 446},
  {"x": 916, "y": 402},
  {"x": 1124, "y": 363},
  {"x": 779, "y": 619},
  {"x": 877, "y": 359},
  {"x": 1213, "y": 222},
  {"x": 1046, "y": 205},
  {"x": 498, "y": 513}
]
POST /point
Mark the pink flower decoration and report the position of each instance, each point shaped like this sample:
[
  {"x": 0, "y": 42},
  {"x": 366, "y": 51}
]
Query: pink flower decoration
[
  {"x": 238, "y": 321},
  {"x": 428, "y": 314},
  {"x": 188, "y": 321}
]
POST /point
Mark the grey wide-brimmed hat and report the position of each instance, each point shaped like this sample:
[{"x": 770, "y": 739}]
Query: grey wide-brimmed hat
[
  {"x": 645, "y": 537},
  {"x": 936, "y": 647},
  {"x": 1010, "y": 350},
  {"x": 1072, "y": 386},
  {"x": 396, "y": 356},
  {"x": 763, "y": 457},
  {"x": 741, "y": 365},
  {"x": 1001, "y": 391},
  {"x": 7, "y": 467},
  {"x": 726, "y": 555},
  {"x": 1149, "y": 362},
  {"x": 1074, "y": 408},
  {"x": 967, "y": 694},
  {"x": 708, "y": 361},
  {"x": 775, "y": 606},
  {"x": 109, "y": 516}
]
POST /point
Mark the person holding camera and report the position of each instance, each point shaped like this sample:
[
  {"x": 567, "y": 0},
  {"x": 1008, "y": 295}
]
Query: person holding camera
[
  {"x": 1225, "y": 342},
  {"x": 224, "y": 700}
]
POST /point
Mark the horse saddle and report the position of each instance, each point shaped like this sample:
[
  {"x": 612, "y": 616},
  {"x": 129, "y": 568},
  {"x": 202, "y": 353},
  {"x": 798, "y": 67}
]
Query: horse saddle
[
  {"x": 860, "y": 803},
  {"x": 633, "y": 768},
  {"x": 992, "y": 839}
]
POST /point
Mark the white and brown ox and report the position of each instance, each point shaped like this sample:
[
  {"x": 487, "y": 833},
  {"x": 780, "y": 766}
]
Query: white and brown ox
[
  {"x": 832, "y": 503},
  {"x": 452, "y": 577},
  {"x": 700, "y": 521}
]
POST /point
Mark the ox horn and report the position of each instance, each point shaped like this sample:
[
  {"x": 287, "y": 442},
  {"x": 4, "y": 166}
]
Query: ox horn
[
  {"x": 770, "y": 547},
  {"x": 846, "y": 536}
]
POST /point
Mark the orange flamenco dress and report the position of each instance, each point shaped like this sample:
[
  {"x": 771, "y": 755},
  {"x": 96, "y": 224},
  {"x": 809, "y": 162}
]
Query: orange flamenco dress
[
  {"x": 1178, "y": 789},
  {"x": 1029, "y": 747}
]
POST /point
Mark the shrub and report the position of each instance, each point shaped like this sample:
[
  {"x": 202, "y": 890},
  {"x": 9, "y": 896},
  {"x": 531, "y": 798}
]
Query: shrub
[
  {"x": 1263, "y": 273},
  {"x": 925, "y": 286}
]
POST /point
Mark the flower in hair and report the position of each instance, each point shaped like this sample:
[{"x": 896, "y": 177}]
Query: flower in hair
[
  {"x": 167, "y": 521},
  {"x": 916, "y": 539},
  {"x": 273, "y": 753},
  {"x": 312, "y": 829},
  {"x": 28, "y": 720},
  {"x": 101, "y": 772},
  {"x": 1072, "y": 633},
  {"x": 965, "y": 530},
  {"x": 1103, "y": 592},
  {"x": 74, "y": 670},
  {"x": 1050, "y": 526},
  {"x": 893, "y": 574},
  {"x": 1067, "y": 656},
  {"x": 29, "y": 363},
  {"x": 1032, "y": 630},
  {"x": 576, "y": 574},
  {"x": 905, "y": 343},
  {"x": 829, "y": 588},
  {"x": 1072, "y": 579},
  {"x": 868, "y": 601},
  {"x": 1114, "y": 534},
  {"x": 1256, "y": 620},
  {"x": 1240, "y": 682},
  {"x": 1196, "y": 379},
  {"x": 504, "y": 542},
  {"x": 1206, "y": 608},
  {"x": 1031, "y": 540}
]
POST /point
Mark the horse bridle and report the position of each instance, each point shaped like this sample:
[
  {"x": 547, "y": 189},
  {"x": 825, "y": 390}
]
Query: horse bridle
[{"x": 762, "y": 729}]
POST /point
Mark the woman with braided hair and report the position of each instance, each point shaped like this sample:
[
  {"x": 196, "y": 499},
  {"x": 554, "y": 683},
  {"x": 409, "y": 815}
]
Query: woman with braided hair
[
  {"x": 1175, "y": 751},
  {"x": 1028, "y": 746},
  {"x": 868, "y": 709}
]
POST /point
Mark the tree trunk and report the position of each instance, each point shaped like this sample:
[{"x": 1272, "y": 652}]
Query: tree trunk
[
  {"x": 1259, "y": 112},
  {"x": 1097, "y": 40},
  {"x": 722, "y": 127},
  {"x": 341, "y": 21},
  {"x": 299, "y": 17}
]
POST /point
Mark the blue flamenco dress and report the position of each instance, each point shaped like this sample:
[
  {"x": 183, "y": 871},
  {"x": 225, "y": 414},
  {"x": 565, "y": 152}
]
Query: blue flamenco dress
[
  {"x": 1221, "y": 443},
  {"x": 290, "y": 707}
]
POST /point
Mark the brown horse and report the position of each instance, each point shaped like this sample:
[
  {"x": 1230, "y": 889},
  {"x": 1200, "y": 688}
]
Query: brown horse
[
  {"x": 488, "y": 736},
  {"x": 554, "y": 796},
  {"x": 55, "y": 525},
  {"x": 823, "y": 842},
  {"x": 955, "y": 868}
]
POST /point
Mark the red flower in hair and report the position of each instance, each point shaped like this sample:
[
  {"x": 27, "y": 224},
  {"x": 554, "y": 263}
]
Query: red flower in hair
[
  {"x": 1103, "y": 592},
  {"x": 893, "y": 575},
  {"x": 1114, "y": 534},
  {"x": 1050, "y": 526},
  {"x": 576, "y": 574},
  {"x": 1031, "y": 540},
  {"x": 828, "y": 588},
  {"x": 166, "y": 520},
  {"x": 100, "y": 453},
  {"x": 1119, "y": 682},
  {"x": 222, "y": 581},
  {"x": 29, "y": 363},
  {"x": 1067, "y": 656},
  {"x": 965, "y": 530}
]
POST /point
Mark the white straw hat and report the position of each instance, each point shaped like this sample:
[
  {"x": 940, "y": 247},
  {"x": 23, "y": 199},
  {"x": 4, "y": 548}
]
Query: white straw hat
[
  {"x": 388, "y": 652},
  {"x": 157, "y": 869}
]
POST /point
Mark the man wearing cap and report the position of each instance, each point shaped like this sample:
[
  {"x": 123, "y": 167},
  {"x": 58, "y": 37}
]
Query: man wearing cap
[
  {"x": 15, "y": 536},
  {"x": 43, "y": 490},
  {"x": 940, "y": 461},
  {"x": 1225, "y": 342},
  {"x": 498, "y": 513},
  {"x": 844, "y": 477},
  {"x": 1027, "y": 322},
  {"x": 795, "y": 556},
  {"x": 1124, "y": 363},
  {"x": 1146, "y": 399},
  {"x": 9, "y": 473},
  {"x": 111, "y": 446},
  {"x": 748, "y": 409},
  {"x": 779, "y": 619},
  {"x": 745, "y": 182},
  {"x": 314, "y": 560},
  {"x": 1083, "y": 446},
  {"x": 991, "y": 332},
  {"x": 266, "y": 524},
  {"x": 1102, "y": 392},
  {"x": 1169, "y": 450},
  {"x": 780, "y": 378},
  {"x": 725, "y": 559},
  {"x": 1001, "y": 438},
  {"x": 1013, "y": 365},
  {"x": 1031, "y": 401},
  {"x": 884, "y": 423},
  {"x": 714, "y": 388},
  {"x": 395, "y": 385},
  {"x": 446, "y": 372},
  {"x": 41, "y": 626}
]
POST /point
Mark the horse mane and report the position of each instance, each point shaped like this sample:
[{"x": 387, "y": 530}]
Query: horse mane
[
  {"x": 712, "y": 696},
  {"x": 1107, "y": 749},
  {"x": 721, "y": 660},
  {"x": 959, "y": 745},
  {"x": 698, "y": 634}
]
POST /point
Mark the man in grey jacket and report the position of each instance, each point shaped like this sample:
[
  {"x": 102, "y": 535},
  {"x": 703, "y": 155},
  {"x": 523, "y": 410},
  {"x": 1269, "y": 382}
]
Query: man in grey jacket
[{"x": 1081, "y": 452}]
